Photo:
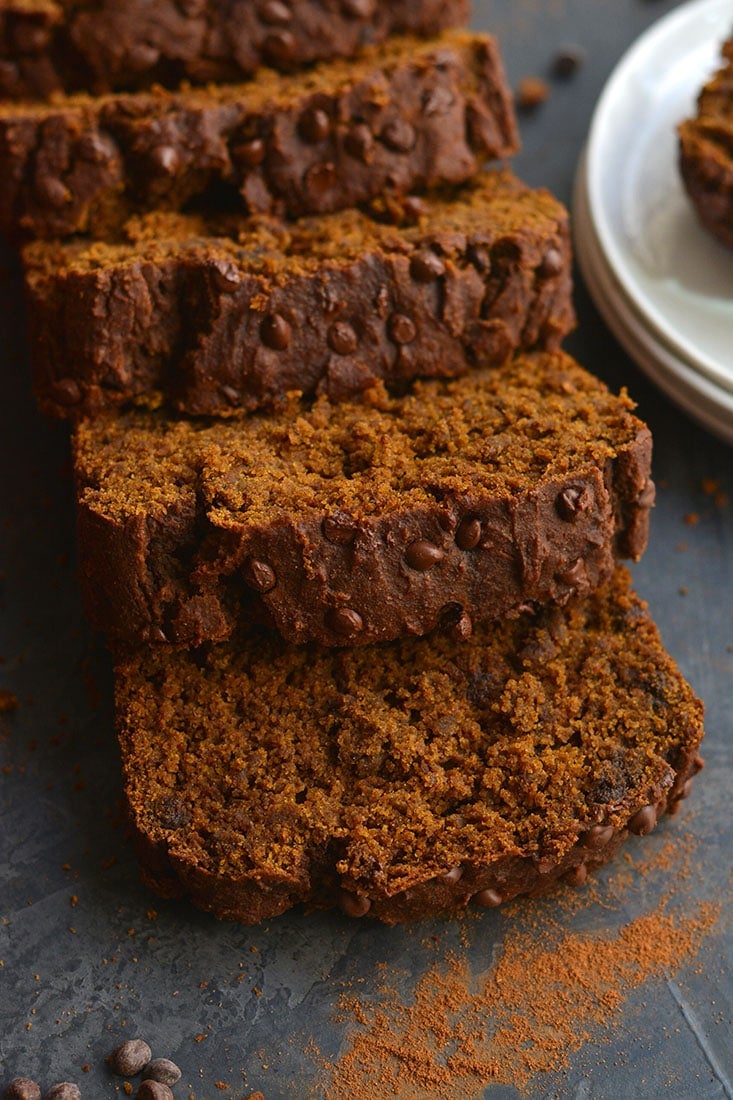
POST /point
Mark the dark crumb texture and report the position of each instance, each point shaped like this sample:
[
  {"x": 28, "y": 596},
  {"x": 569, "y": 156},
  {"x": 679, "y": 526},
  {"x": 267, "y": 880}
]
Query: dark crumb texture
[
  {"x": 354, "y": 522},
  {"x": 220, "y": 316},
  {"x": 50, "y": 46},
  {"x": 705, "y": 147},
  {"x": 411, "y": 780},
  {"x": 410, "y": 115}
]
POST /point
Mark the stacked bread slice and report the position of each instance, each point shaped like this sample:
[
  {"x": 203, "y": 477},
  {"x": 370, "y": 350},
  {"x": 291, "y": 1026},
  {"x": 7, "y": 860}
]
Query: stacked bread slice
[{"x": 348, "y": 515}]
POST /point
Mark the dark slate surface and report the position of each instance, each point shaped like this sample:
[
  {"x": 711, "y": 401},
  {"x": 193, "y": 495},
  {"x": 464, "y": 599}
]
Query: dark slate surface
[{"x": 77, "y": 978}]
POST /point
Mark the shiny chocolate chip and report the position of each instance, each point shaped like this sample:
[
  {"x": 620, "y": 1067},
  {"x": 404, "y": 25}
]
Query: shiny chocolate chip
[
  {"x": 224, "y": 276},
  {"x": 274, "y": 13},
  {"x": 468, "y": 534},
  {"x": 280, "y": 48},
  {"x": 339, "y": 529},
  {"x": 398, "y": 135},
  {"x": 275, "y": 332},
  {"x": 450, "y": 878},
  {"x": 353, "y": 905},
  {"x": 551, "y": 265},
  {"x": 250, "y": 153},
  {"x": 596, "y": 837},
  {"x": 319, "y": 179},
  {"x": 359, "y": 142},
  {"x": 259, "y": 575},
  {"x": 231, "y": 395},
  {"x": 345, "y": 621},
  {"x": 423, "y": 555},
  {"x": 574, "y": 575},
  {"x": 643, "y": 821},
  {"x": 426, "y": 267},
  {"x": 129, "y": 1058},
  {"x": 66, "y": 392},
  {"x": 314, "y": 125},
  {"x": 401, "y": 329},
  {"x": 342, "y": 338},
  {"x": 166, "y": 158},
  {"x": 573, "y": 501},
  {"x": 488, "y": 899}
]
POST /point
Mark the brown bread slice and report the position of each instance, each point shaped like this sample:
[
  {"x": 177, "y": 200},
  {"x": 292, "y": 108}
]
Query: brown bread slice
[
  {"x": 706, "y": 152},
  {"x": 357, "y": 522},
  {"x": 51, "y": 46},
  {"x": 406, "y": 779},
  {"x": 223, "y": 315},
  {"x": 409, "y": 115}
]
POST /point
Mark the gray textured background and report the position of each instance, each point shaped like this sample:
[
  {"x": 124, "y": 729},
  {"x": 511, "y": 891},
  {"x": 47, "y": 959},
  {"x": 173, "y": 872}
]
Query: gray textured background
[{"x": 67, "y": 997}]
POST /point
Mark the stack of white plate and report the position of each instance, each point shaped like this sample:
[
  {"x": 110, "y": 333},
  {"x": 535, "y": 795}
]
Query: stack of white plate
[{"x": 663, "y": 285}]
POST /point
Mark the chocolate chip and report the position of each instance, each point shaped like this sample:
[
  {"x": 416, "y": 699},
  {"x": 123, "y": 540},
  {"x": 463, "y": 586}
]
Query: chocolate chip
[
  {"x": 153, "y": 1090},
  {"x": 488, "y": 899},
  {"x": 462, "y": 629},
  {"x": 567, "y": 61},
  {"x": 578, "y": 875},
  {"x": 259, "y": 575},
  {"x": 574, "y": 575},
  {"x": 450, "y": 878},
  {"x": 596, "y": 837},
  {"x": 52, "y": 191},
  {"x": 413, "y": 208},
  {"x": 22, "y": 1088},
  {"x": 684, "y": 791},
  {"x": 359, "y": 142},
  {"x": 468, "y": 534},
  {"x": 401, "y": 329},
  {"x": 319, "y": 179},
  {"x": 398, "y": 135},
  {"x": 345, "y": 621},
  {"x": 353, "y": 905},
  {"x": 65, "y": 1090},
  {"x": 250, "y": 153},
  {"x": 423, "y": 555},
  {"x": 275, "y": 332},
  {"x": 274, "y": 13},
  {"x": 129, "y": 1058},
  {"x": 66, "y": 392},
  {"x": 643, "y": 821},
  {"x": 339, "y": 529},
  {"x": 480, "y": 257},
  {"x": 166, "y": 158},
  {"x": 231, "y": 395},
  {"x": 280, "y": 48},
  {"x": 551, "y": 265},
  {"x": 314, "y": 125},
  {"x": 573, "y": 502},
  {"x": 163, "y": 1071},
  {"x": 341, "y": 338},
  {"x": 426, "y": 267},
  {"x": 648, "y": 494},
  {"x": 224, "y": 275},
  {"x": 359, "y": 9}
]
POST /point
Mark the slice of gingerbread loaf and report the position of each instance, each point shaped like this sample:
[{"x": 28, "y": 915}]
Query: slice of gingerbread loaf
[
  {"x": 100, "y": 46},
  {"x": 360, "y": 521},
  {"x": 220, "y": 316},
  {"x": 410, "y": 779},
  {"x": 409, "y": 115},
  {"x": 706, "y": 152}
]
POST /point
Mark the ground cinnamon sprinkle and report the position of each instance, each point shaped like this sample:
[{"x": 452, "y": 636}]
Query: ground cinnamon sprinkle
[{"x": 524, "y": 1017}]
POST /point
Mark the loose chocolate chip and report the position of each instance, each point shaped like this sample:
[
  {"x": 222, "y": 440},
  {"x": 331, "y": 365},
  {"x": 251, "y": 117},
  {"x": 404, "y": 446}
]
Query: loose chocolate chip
[
  {"x": 551, "y": 265},
  {"x": 63, "y": 1091},
  {"x": 359, "y": 142},
  {"x": 643, "y": 821},
  {"x": 259, "y": 575},
  {"x": 153, "y": 1090},
  {"x": 53, "y": 192},
  {"x": 468, "y": 534},
  {"x": 66, "y": 392},
  {"x": 22, "y": 1088},
  {"x": 339, "y": 529},
  {"x": 401, "y": 329},
  {"x": 166, "y": 158},
  {"x": 319, "y": 179},
  {"x": 574, "y": 575},
  {"x": 462, "y": 629},
  {"x": 578, "y": 875},
  {"x": 567, "y": 61},
  {"x": 488, "y": 899},
  {"x": 647, "y": 495},
  {"x": 275, "y": 332},
  {"x": 423, "y": 555},
  {"x": 129, "y": 1058},
  {"x": 163, "y": 1071},
  {"x": 274, "y": 13},
  {"x": 314, "y": 125},
  {"x": 450, "y": 878},
  {"x": 250, "y": 153},
  {"x": 353, "y": 905},
  {"x": 359, "y": 9},
  {"x": 280, "y": 48},
  {"x": 341, "y": 338},
  {"x": 398, "y": 135},
  {"x": 597, "y": 836},
  {"x": 426, "y": 267},
  {"x": 573, "y": 501},
  {"x": 345, "y": 621}
]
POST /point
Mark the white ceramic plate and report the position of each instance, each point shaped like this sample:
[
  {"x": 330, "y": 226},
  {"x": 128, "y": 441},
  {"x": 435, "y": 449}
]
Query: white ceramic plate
[
  {"x": 702, "y": 398},
  {"x": 678, "y": 277}
]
